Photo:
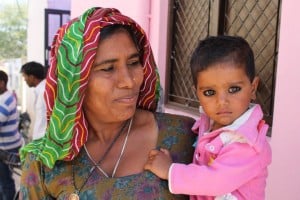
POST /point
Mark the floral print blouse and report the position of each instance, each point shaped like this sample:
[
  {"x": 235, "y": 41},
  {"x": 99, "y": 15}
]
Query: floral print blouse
[{"x": 41, "y": 183}]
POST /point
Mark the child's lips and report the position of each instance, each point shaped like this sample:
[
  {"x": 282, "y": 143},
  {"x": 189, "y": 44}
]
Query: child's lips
[{"x": 223, "y": 113}]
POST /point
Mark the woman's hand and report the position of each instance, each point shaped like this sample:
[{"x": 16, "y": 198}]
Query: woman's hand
[{"x": 159, "y": 162}]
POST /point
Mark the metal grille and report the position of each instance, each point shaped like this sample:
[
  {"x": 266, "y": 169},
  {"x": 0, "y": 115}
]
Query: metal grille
[
  {"x": 191, "y": 22},
  {"x": 256, "y": 21}
]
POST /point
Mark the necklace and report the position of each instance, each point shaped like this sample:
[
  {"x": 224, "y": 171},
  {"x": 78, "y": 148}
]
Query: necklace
[
  {"x": 75, "y": 196},
  {"x": 118, "y": 161}
]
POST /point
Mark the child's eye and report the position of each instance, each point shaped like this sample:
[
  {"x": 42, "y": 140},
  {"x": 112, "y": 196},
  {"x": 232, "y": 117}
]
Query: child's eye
[
  {"x": 234, "y": 89},
  {"x": 209, "y": 92}
]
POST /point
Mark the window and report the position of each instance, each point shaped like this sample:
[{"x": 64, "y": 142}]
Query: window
[
  {"x": 53, "y": 20},
  {"x": 192, "y": 20}
]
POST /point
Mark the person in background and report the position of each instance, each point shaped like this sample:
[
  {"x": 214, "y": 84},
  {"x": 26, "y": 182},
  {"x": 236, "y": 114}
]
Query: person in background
[
  {"x": 101, "y": 95},
  {"x": 34, "y": 75},
  {"x": 232, "y": 152},
  {"x": 10, "y": 138}
]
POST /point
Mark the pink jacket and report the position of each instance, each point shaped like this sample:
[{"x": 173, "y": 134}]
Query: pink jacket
[{"x": 229, "y": 163}]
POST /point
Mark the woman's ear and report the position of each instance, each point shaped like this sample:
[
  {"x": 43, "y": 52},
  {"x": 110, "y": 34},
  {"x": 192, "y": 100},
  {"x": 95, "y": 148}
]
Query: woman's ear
[{"x": 254, "y": 86}]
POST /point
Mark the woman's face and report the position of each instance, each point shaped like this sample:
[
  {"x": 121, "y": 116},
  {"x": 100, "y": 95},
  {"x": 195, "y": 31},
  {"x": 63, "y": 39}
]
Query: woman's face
[{"x": 115, "y": 80}]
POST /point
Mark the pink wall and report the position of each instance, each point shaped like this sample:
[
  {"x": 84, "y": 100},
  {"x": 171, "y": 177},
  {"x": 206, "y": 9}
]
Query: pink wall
[
  {"x": 284, "y": 174},
  {"x": 284, "y": 178},
  {"x": 137, "y": 9},
  {"x": 158, "y": 35}
]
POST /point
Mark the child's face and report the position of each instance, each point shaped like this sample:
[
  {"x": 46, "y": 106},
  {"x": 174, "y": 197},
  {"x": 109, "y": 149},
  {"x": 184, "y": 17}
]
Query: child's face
[{"x": 225, "y": 91}]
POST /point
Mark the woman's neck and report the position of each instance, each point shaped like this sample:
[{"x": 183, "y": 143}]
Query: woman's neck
[{"x": 105, "y": 132}]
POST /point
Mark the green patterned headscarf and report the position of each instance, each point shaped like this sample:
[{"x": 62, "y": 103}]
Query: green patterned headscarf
[{"x": 72, "y": 55}]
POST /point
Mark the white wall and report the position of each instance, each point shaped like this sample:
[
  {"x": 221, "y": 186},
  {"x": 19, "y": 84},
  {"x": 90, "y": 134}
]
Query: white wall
[
  {"x": 36, "y": 30},
  {"x": 35, "y": 49}
]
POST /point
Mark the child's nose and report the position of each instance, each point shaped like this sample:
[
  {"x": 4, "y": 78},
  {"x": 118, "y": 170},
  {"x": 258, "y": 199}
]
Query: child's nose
[{"x": 222, "y": 98}]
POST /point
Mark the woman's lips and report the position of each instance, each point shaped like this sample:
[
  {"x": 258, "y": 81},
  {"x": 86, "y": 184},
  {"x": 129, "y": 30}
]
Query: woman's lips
[{"x": 128, "y": 99}]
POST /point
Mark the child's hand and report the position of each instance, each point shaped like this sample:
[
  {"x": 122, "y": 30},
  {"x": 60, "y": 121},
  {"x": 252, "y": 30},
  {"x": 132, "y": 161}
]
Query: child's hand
[{"x": 159, "y": 162}]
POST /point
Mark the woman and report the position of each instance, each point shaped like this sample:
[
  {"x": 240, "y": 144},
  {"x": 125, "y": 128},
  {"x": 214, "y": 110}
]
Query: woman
[{"x": 101, "y": 94}]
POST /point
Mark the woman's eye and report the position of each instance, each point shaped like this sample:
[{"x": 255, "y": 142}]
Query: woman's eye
[
  {"x": 104, "y": 68},
  {"x": 134, "y": 63},
  {"x": 234, "y": 89},
  {"x": 107, "y": 69},
  {"x": 209, "y": 92}
]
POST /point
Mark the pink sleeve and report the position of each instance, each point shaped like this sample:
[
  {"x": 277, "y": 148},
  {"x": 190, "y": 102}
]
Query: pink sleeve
[{"x": 235, "y": 165}]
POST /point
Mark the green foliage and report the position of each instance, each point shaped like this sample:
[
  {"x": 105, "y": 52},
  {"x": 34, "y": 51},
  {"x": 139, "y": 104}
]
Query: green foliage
[{"x": 13, "y": 30}]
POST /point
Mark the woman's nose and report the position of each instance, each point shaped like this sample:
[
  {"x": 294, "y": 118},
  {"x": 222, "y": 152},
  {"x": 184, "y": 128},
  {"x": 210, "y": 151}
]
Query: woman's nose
[{"x": 125, "y": 78}]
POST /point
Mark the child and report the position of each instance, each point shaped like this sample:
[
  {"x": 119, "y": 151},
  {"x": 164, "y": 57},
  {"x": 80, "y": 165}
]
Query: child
[{"x": 232, "y": 153}]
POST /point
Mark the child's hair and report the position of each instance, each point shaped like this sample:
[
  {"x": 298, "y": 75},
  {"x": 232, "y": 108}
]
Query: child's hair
[{"x": 216, "y": 49}]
